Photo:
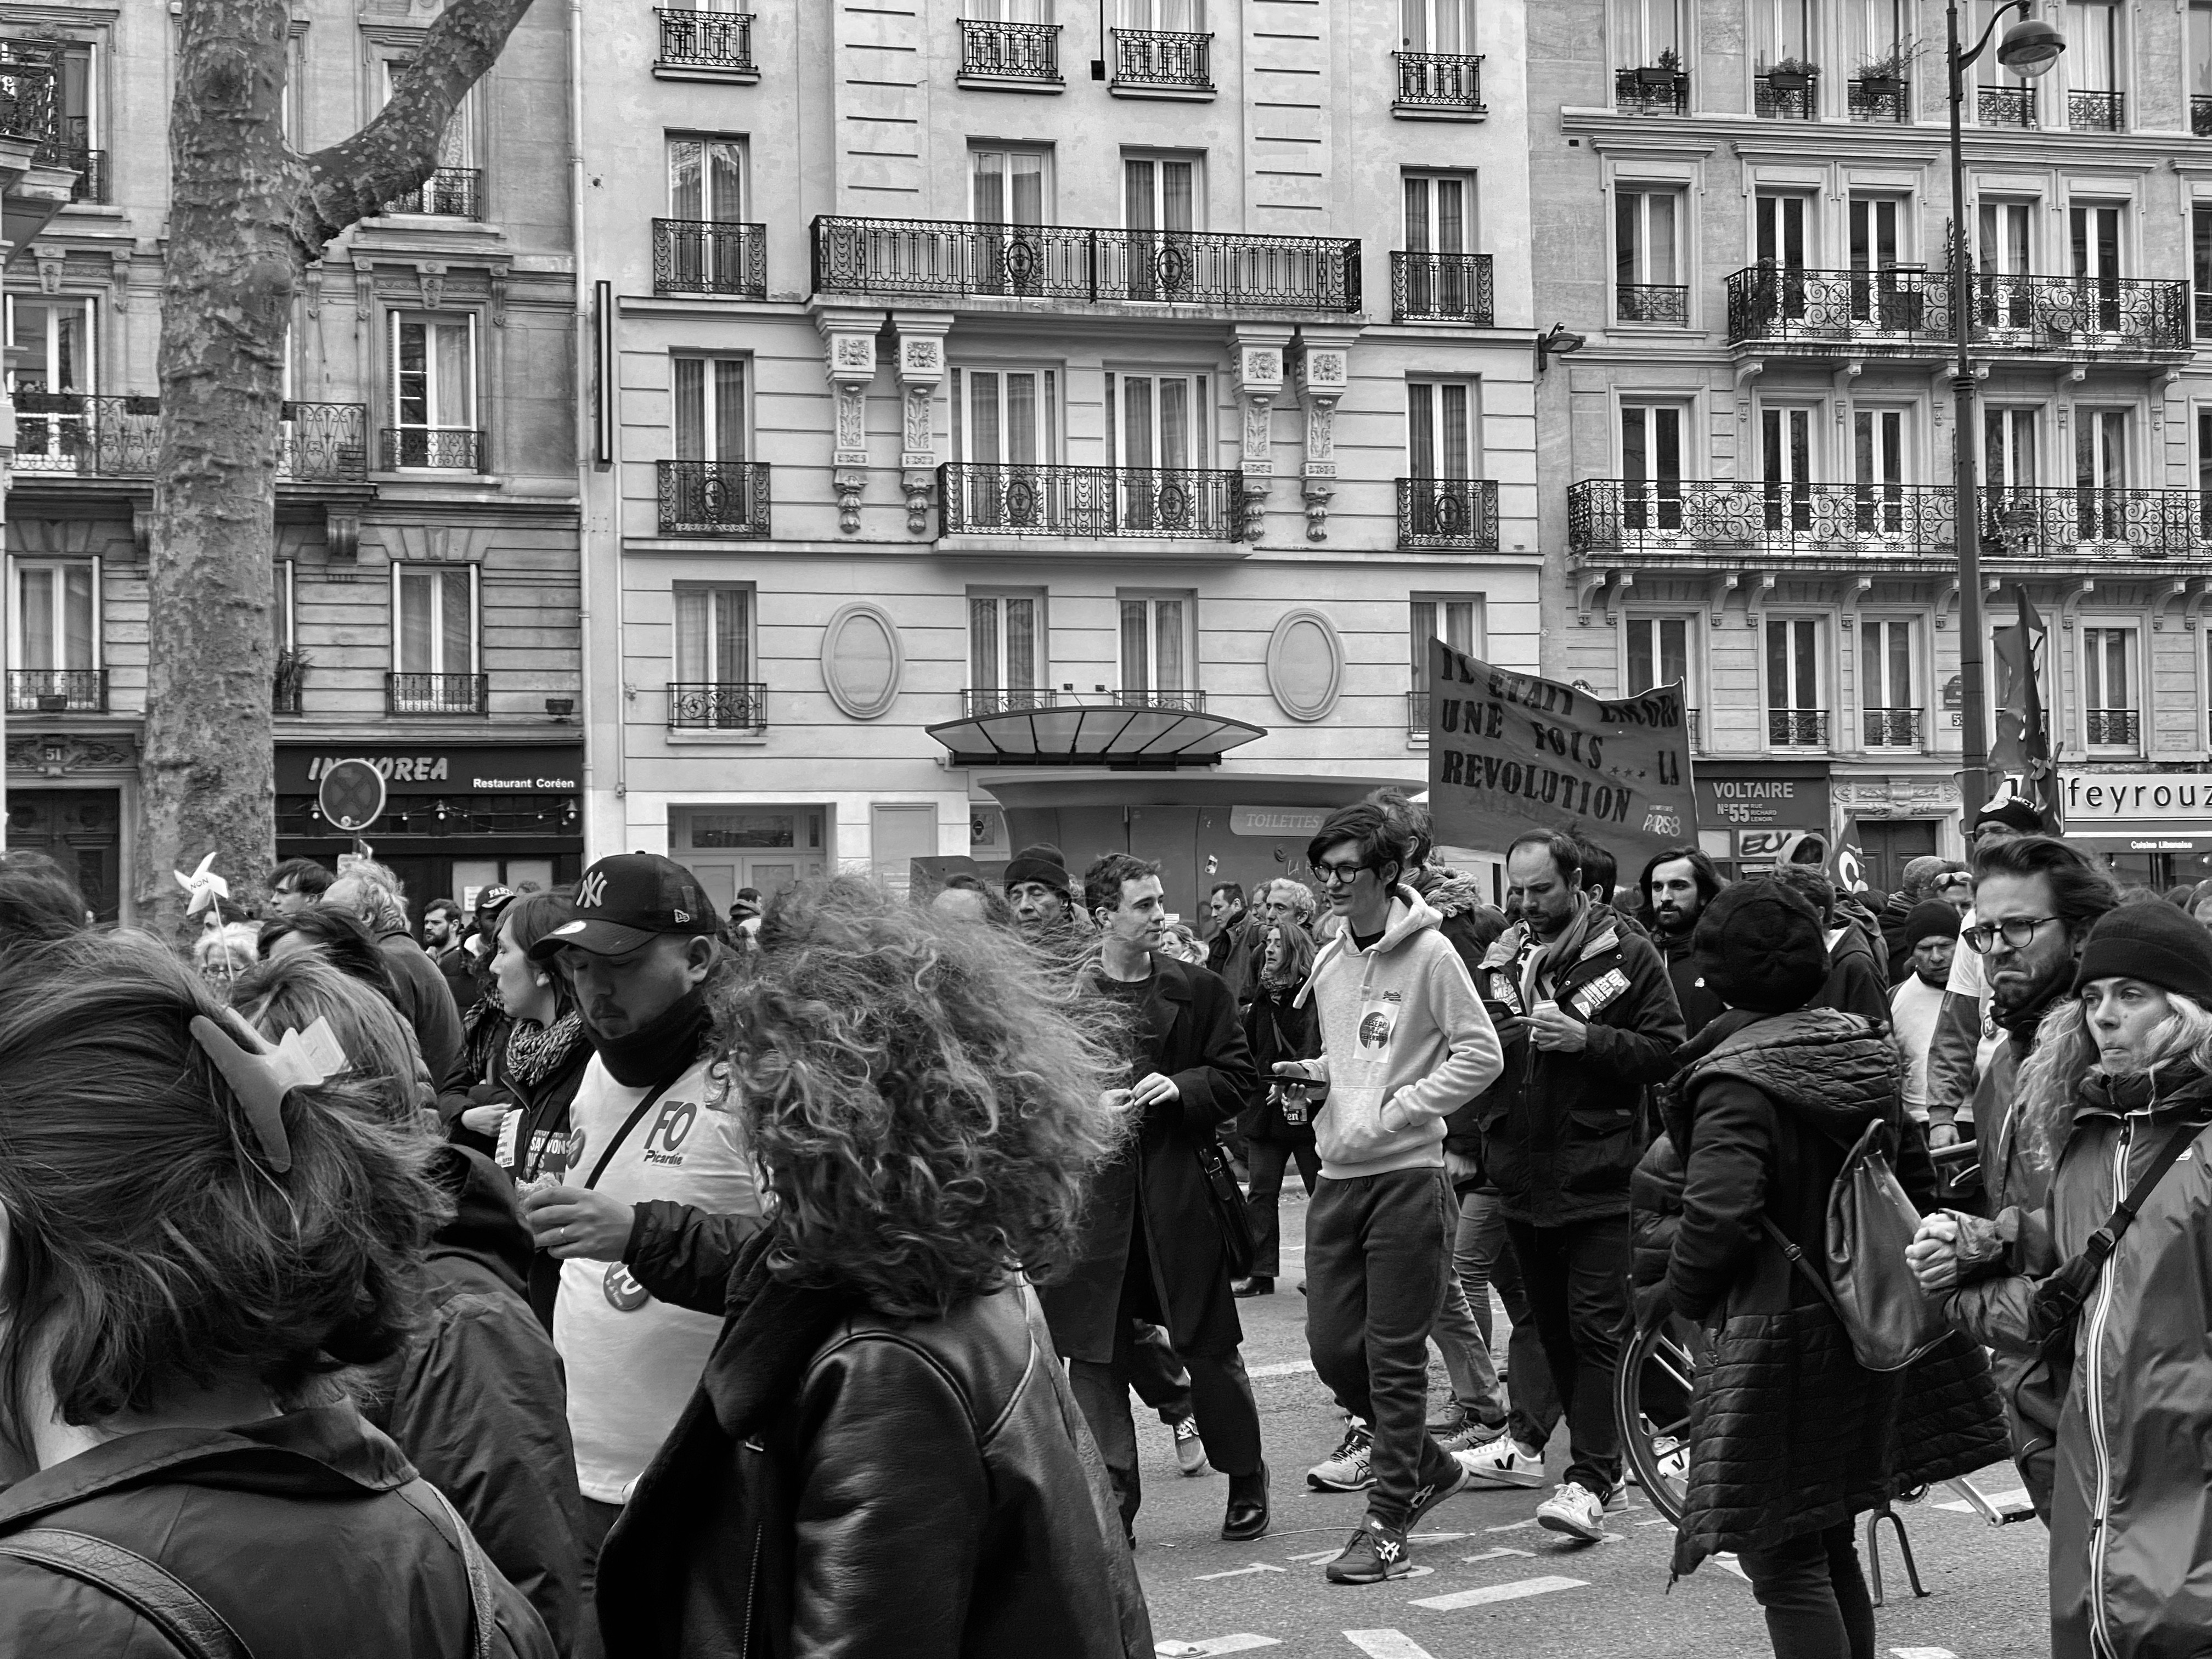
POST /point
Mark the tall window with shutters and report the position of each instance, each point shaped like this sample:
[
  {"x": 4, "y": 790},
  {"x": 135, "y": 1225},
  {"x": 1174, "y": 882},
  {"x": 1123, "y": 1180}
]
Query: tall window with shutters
[
  {"x": 1796, "y": 702},
  {"x": 714, "y": 686},
  {"x": 433, "y": 393},
  {"x": 55, "y": 648},
  {"x": 1658, "y": 653},
  {"x": 1157, "y": 651},
  {"x": 1889, "y": 702},
  {"x": 1006, "y": 665},
  {"x": 435, "y": 656},
  {"x": 2112, "y": 713}
]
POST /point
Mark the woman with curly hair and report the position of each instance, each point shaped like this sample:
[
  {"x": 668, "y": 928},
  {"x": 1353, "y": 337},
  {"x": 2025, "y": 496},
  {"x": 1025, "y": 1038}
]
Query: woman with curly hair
[
  {"x": 197, "y": 1228},
  {"x": 883, "y": 1458}
]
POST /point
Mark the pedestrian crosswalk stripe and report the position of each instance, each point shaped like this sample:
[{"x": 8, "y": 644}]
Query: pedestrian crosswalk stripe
[
  {"x": 1220, "y": 1644},
  {"x": 1238, "y": 1572},
  {"x": 1517, "y": 1591},
  {"x": 1496, "y": 1552},
  {"x": 1387, "y": 1644},
  {"x": 1925, "y": 1653},
  {"x": 1288, "y": 1368}
]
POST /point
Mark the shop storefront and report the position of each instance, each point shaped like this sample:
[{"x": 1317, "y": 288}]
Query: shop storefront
[
  {"x": 455, "y": 819},
  {"x": 1747, "y": 811},
  {"x": 2152, "y": 829}
]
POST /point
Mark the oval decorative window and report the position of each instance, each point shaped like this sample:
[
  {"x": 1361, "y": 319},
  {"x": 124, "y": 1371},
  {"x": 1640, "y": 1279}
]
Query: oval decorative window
[
  {"x": 1305, "y": 665},
  {"x": 862, "y": 661}
]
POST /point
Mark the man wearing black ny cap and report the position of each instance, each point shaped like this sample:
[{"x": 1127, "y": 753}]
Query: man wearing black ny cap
[{"x": 648, "y": 1128}]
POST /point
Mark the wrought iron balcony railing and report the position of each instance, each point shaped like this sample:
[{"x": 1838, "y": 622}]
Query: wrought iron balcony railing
[
  {"x": 707, "y": 256},
  {"x": 1417, "y": 715},
  {"x": 1786, "y": 97},
  {"x": 1002, "y": 699},
  {"x": 1450, "y": 513},
  {"x": 1898, "y": 308},
  {"x": 1690, "y": 718},
  {"x": 1442, "y": 288},
  {"x": 999, "y": 700},
  {"x": 724, "y": 706},
  {"x": 87, "y": 435},
  {"x": 1886, "y": 309},
  {"x": 2054, "y": 519},
  {"x": 1163, "y": 58},
  {"x": 2112, "y": 728},
  {"x": 72, "y": 147},
  {"x": 1890, "y": 728},
  {"x": 1083, "y": 503},
  {"x": 707, "y": 39},
  {"x": 2200, "y": 115},
  {"x": 1182, "y": 703},
  {"x": 448, "y": 194},
  {"x": 436, "y": 694},
  {"x": 2005, "y": 107},
  {"x": 323, "y": 443},
  {"x": 29, "y": 105},
  {"x": 945, "y": 257},
  {"x": 440, "y": 448},
  {"x": 714, "y": 498},
  {"x": 2097, "y": 111},
  {"x": 1010, "y": 51},
  {"x": 287, "y": 683},
  {"x": 57, "y": 691},
  {"x": 1651, "y": 302},
  {"x": 1652, "y": 92},
  {"x": 1879, "y": 98},
  {"x": 1797, "y": 728},
  {"x": 1443, "y": 82}
]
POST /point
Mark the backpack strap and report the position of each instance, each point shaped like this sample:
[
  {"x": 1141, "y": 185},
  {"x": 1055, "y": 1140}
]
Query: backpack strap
[
  {"x": 156, "y": 1595},
  {"x": 1797, "y": 1260},
  {"x": 443, "y": 1516}
]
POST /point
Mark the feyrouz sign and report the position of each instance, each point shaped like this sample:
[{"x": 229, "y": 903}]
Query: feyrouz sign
[{"x": 1509, "y": 752}]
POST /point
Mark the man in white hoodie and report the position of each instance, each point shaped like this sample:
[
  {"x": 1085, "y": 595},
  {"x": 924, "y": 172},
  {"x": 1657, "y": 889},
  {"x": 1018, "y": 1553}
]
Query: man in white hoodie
[{"x": 1404, "y": 1041}]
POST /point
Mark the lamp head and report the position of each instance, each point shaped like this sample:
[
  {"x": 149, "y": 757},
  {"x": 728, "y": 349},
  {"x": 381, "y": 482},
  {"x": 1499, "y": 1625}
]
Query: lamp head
[
  {"x": 2031, "y": 47},
  {"x": 1558, "y": 343}
]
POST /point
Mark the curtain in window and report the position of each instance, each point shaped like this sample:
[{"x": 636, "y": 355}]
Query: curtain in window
[
  {"x": 1135, "y": 660},
  {"x": 457, "y": 623},
  {"x": 1167, "y": 646},
  {"x": 417, "y": 609}
]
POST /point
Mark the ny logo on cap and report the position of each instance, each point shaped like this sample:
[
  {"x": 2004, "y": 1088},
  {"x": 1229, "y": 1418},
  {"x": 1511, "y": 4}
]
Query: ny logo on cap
[{"x": 592, "y": 891}]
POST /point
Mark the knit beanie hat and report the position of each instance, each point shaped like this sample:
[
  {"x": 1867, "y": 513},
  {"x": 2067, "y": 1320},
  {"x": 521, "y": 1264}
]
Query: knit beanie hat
[
  {"x": 1040, "y": 862},
  {"x": 2153, "y": 943},
  {"x": 2012, "y": 812},
  {"x": 1758, "y": 947},
  {"x": 1931, "y": 919}
]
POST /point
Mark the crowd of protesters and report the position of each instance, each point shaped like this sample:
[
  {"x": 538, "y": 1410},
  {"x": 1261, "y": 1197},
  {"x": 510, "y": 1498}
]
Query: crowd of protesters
[{"x": 604, "y": 1274}]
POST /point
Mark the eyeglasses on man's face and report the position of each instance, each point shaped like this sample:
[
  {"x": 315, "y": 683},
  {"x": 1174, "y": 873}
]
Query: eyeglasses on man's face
[
  {"x": 2018, "y": 934},
  {"x": 1330, "y": 874}
]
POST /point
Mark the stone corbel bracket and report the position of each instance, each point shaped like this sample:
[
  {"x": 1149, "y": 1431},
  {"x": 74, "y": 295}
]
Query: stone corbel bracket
[
  {"x": 2199, "y": 591},
  {"x": 1259, "y": 383},
  {"x": 1855, "y": 590},
  {"x": 850, "y": 365},
  {"x": 2075, "y": 591},
  {"x": 1947, "y": 600},
  {"x": 1586, "y": 581},
  {"x": 1324, "y": 370},
  {"x": 2162, "y": 595},
  {"x": 920, "y": 372},
  {"x": 1623, "y": 580},
  {"x": 1716, "y": 594},
  {"x": 1754, "y": 600}
]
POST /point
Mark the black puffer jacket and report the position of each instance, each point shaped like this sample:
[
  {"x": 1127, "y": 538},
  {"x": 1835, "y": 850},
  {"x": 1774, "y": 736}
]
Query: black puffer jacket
[
  {"x": 843, "y": 1483},
  {"x": 1277, "y": 1027},
  {"x": 1655, "y": 1191},
  {"x": 1788, "y": 1434}
]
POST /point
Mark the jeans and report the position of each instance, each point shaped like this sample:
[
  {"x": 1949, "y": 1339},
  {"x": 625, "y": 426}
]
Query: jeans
[
  {"x": 1268, "y": 1160},
  {"x": 1485, "y": 1257},
  {"x": 1577, "y": 1278},
  {"x": 1814, "y": 1596},
  {"x": 598, "y": 1520},
  {"x": 1374, "y": 1273},
  {"x": 1463, "y": 1339}
]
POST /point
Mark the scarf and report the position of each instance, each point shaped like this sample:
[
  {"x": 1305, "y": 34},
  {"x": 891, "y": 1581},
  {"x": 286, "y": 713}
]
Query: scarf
[
  {"x": 534, "y": 1052},
  {"x": 660, "y": 1050}
]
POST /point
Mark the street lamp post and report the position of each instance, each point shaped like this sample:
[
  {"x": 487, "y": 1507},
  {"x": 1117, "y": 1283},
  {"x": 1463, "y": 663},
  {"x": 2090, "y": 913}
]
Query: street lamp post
[{"x": 2029, "y": 48}]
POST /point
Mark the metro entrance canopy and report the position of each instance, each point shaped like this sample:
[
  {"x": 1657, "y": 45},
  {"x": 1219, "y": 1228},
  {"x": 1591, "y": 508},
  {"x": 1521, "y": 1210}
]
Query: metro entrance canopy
[{"x": 1062, "y": 728}]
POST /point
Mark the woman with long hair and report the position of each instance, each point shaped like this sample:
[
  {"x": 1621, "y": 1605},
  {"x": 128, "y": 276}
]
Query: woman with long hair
[
  {"x": 884, "y": 1458},
  {"x": 198, "y": 1228},
  {"x": 2110, "y": 1314},
  {"x": 1277, "y": 1126}
]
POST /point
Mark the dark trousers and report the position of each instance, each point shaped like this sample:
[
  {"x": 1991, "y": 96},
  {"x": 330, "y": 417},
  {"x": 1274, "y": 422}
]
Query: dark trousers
[
  {"x": 1577, "y": 1278},
  {"x": 1156, "y": 1372},
  {"x": 1814, "y": 1596},
  {"x": 1485, "y": 1258},
  {"x": 598, "y": 1520},
  {"x": 1269, "y": 1158},
  {"x": 1220, "y": 1395},
  {"x": 1374, "y": 1267}
]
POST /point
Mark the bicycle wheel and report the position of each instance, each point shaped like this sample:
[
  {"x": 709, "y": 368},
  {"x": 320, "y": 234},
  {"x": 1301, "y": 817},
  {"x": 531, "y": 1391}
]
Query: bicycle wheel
[{"x": 1651, "y": 1390}]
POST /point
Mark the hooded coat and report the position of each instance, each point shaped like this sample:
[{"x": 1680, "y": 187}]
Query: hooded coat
[
  {"x": 475, "y": 1397},
  {"x": 1190, "y": 1031},
  {"x": 1560, "y": 1131},
  {"x": 1788, "y": 1434},
  {"x": 2132, "y": 1505},
  {"x": 308, "y": 1533}
]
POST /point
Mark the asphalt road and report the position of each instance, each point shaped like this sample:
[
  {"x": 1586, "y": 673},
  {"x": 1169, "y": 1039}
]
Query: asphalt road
[{"x": 1487, "y": 1580}]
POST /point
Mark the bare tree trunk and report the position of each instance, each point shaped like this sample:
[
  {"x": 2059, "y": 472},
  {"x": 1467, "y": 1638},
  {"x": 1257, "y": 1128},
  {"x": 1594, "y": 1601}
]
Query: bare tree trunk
[{"x": 247, "y": 214}]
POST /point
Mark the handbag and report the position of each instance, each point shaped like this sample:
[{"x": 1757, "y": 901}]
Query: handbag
[
  {"x": 1230, "y": 1219},
  {"x": 1868, "y": 1282}
]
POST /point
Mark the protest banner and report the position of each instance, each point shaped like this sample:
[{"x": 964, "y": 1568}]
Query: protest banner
[{"x": 1509, "y": 752}]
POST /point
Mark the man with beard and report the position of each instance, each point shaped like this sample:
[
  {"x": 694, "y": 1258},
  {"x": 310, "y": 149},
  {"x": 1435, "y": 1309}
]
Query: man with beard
[
  {"x": 649, "y": 1128},
  {"x": 1928, "y": 937},
  {"x": 1036, "y": 887},
  {"x": 1963, "y": 1043},
  {"x": 1676, "y": 885}
]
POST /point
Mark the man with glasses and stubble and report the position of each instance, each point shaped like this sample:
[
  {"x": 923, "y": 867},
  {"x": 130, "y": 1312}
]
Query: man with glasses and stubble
[{"x": 1404, "y": 1041}]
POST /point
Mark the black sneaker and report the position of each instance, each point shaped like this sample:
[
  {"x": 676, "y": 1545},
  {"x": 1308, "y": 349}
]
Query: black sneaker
[
  {"x": 1451, "y": 1479},
  {"x": 1373, "y": 1554}
]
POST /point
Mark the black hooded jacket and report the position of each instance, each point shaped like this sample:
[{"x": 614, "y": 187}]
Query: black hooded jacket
[{"x": 475, "y": 1398}]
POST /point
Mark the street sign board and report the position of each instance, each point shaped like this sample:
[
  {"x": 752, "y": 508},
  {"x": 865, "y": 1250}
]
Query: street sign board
[{"x": 351, "y": 795}]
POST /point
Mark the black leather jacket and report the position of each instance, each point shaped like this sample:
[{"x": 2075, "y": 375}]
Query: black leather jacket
[{"x": 878, "y": 1488}]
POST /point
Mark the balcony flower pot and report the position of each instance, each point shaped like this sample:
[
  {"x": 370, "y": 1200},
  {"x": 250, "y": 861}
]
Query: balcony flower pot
[
  {"x": 1881, "y": 85},
  {"x": 52, "y": 703},
  {"x": 33, "y": 401},
  {"x": 1661, "y": 79},
  {"x": 1789, "y": 77},
  {"x": 139, "y": 404}
]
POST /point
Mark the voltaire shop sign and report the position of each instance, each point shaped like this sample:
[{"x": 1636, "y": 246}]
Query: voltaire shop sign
[{"x": 2152, "y": 811}]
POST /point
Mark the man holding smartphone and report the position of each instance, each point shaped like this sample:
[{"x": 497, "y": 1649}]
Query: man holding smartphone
[{"x": 1404, "y": 1040}]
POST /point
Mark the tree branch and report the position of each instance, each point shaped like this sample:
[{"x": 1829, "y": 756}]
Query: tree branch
[{"x": 399, "y": 149}]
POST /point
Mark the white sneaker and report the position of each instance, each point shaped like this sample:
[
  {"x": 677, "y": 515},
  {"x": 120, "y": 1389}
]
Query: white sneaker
[
  {"x": 1574, "y": 1510},
  {"x": 1501, "y": 1462},
  {"x": 1350, "y": 1467}
]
